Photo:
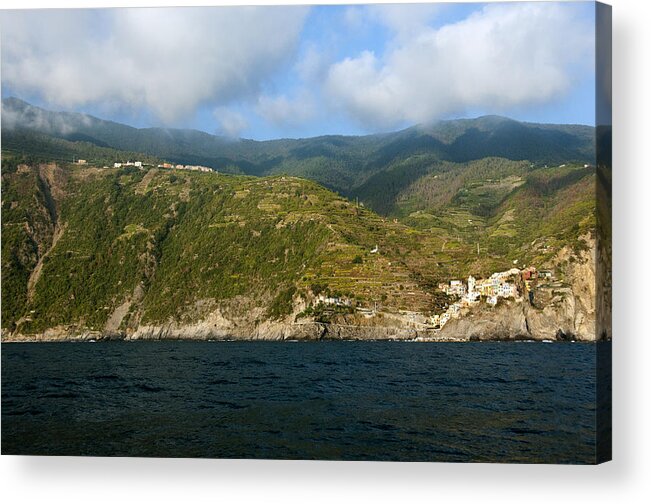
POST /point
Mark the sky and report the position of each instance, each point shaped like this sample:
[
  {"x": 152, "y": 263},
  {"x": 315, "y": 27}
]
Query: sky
[{"x": 301, "y": 71}]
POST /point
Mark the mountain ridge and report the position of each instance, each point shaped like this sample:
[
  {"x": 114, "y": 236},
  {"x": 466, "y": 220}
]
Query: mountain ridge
[
  {"x": 375, "y": 169},
  {"x": 20, "y": 114},
  {"x": 16, "y": 103}
]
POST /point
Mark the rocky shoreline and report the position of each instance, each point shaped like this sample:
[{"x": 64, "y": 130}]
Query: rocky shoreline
[
  {"x": 414, "y": 336},
  {"x": 509, "y": 322}
]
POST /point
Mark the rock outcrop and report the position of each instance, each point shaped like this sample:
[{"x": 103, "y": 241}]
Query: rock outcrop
[{"x": 503, "y": 322}]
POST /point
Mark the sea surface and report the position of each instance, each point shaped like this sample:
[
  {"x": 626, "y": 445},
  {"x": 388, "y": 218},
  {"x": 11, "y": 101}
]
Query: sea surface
[{"x": 497, "y": 402}]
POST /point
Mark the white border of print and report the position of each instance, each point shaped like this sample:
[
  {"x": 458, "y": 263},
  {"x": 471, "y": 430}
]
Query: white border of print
[{"x": 110, "y": 480}]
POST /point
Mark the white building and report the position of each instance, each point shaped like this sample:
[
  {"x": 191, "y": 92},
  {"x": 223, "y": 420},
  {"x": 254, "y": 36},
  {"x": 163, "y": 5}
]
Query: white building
[
  {"x": 456, "y": 288},
  {"x": 454, "y": 309},
  {"x": 472, "y": 297},
  {"x": 332, "y": 300},
  {"x": 471, "y": 284},
  {"x": 507, "y": 290}
]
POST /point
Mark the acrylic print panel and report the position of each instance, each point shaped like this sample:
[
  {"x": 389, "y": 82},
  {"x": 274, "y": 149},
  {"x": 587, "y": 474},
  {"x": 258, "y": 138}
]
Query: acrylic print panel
[{"x": 369, "y": 232}]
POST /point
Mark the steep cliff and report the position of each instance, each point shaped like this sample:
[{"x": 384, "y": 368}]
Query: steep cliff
[{"x": 559, "y": 311}]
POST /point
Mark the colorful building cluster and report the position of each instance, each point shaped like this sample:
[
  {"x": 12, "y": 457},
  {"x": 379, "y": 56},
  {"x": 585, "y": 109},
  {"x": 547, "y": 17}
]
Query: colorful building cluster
[
  {"x": 503, "y": 284},
  {"x": 499, "y": 285},
  {"x": 512, "y": 284}
]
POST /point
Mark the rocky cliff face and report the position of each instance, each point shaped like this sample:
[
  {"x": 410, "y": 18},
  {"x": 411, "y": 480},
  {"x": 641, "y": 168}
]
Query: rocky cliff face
[
  {"x": 241, "y": 320},
  {"x": 560, "y": 311},
  {"x": 503, "y": 322}
]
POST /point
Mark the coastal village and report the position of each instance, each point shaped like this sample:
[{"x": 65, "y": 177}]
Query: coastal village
[{"x": 514, "y": 284}]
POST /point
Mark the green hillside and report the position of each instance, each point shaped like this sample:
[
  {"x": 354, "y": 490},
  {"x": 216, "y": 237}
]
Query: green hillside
[
  {"x": 185, "y": 238},
  {"x": 177, "y": 244}
]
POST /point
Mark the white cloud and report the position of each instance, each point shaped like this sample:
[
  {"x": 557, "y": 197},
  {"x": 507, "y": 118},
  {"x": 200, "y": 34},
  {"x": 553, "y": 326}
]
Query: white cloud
[
  {"x": 287, "y": 112},
  {"x": 500, "y": 57},
  {"x": 41, "y": 120},
  {"x": 313, "y": 65},
  {"x": 354, "y": 17},
  {"x": 230, "y": 122},
  {"x": 167, "y": 61},
  {"x": 404, "y": 20},
  {"x": 171, "y": 62}
]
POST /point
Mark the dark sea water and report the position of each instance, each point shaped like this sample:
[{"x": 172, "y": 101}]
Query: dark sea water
[{"x": 506, "y": 402}]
